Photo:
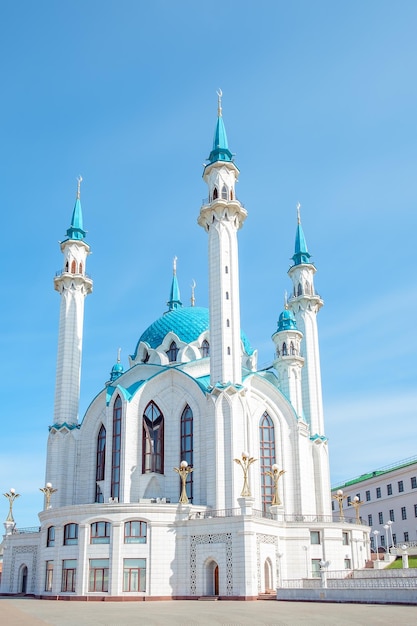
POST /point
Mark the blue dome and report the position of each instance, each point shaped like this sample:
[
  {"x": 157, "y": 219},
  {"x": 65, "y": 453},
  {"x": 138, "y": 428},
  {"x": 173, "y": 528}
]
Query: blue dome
[
  {"x": 188, "y": 323},
  {"x": 116, "y": 371},
  {"x": 287, "y": 321}
]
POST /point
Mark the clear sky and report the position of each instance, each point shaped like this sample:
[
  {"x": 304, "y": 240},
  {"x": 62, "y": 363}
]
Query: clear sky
[{"x": 320, "y": 107}]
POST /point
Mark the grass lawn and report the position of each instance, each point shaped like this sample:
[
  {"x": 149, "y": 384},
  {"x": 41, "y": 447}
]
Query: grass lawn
[{"x": 398, "y": 563}]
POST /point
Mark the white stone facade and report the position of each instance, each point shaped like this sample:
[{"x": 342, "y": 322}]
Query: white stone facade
[
  {"x": 192, "y": 392},
  {"x": 388, "y": 494}
]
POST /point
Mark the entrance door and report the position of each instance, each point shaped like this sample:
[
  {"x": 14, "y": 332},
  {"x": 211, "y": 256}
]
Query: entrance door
[
  {"x": 24, "y": 580},
  {"x": 216, "y": 580},
  {"x": 268, "y": 576}
]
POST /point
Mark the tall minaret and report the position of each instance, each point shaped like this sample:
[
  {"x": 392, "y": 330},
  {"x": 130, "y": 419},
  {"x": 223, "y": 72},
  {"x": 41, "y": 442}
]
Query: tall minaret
[
  {"x": 305, "y": 303},
  {"x": 73, "y": 285},
  {"x": 221, "y": 216}
]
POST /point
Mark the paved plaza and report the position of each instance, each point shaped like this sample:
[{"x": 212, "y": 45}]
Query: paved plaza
[{"x": 29, "y": 612}]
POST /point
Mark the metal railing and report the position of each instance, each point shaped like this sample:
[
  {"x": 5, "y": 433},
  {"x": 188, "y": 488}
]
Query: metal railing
[
  {"x": 288, "y": 518},
  {"x": 61, "y": 272},
  {"x": 26, "y": 531}
]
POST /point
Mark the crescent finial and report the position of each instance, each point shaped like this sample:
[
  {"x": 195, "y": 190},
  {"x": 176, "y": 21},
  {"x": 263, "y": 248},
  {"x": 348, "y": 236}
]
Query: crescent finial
[
  {"x": 79, "y": 181},
  {"x": 219, "y": 102}
]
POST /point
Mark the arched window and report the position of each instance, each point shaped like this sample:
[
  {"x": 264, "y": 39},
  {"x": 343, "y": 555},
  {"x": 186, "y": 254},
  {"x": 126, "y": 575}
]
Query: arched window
[
  {"x": 228, "y": 350},
  {"x": 292, "y": 349},
  {"x": 299, "y": 290},
  {"x": 205, "y": 348},
  {"x": 215, "y": 194},
  {"x": 187, "y": 446},
  {"x": 231, "y": 194},
  {"x": 70, "y": 534},
  {"x": 101, "y": 453},
  {"x": 135, "y": 532},
  {"x": 228, "y": 323},
  {"x": 116, "y": 448},
  {"x": 284, "y": 349},
  {"x": 50, "y": 537},
  {"x": 145, "y": 358},
  {"x": 73, "y": 267},
  {"x": 153, "y": 440},
  {"x": 172, "y": 353},
  {"x": 224, "y": 192},
  {"x": 100, "y": 532},
  {"x": 267, "y": 458},
  {"x": 81, "y": 268},
  {"x": 66, "y": 266}
]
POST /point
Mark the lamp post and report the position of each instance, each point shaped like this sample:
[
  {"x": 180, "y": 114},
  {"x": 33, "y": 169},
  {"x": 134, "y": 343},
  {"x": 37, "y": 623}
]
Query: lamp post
[
  {"x": 11, "y": 496},
  {"x": 275, "y": 475},
  {"x": 47, "y": 491},
  {"x": 339, "y": 496},
  {"x": 305, "y": 548},
  {"x": 183, "y": 470},
  {"x": 376, "y": 533},
  {"x": 356, "y": 503},
  {"x": 386, "y": 527},
  {"x": 245, "y": 463},
  {"x": 390, "y": 523}
]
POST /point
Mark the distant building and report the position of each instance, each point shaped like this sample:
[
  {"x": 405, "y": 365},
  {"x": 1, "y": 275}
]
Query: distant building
[
  {"x": 192, "y": 400},
  {"x": 389, "y": 497}
]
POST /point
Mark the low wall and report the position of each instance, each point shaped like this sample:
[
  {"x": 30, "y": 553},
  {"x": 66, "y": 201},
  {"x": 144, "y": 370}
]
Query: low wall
[{"x": 365, "y": 595}]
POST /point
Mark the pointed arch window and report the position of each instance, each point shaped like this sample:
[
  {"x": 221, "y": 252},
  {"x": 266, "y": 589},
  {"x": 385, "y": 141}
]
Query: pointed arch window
[
  {"x": 267, "y": 458},
  {"x": 187, "y": 435},
  {"x": 101, "y": 453},
  {"x": 81, "y": 268},
  {"x": 153, "y": 440},
  {"x": 66, "y": 266},
  {"x": 116, "y": 448},
  {"x": 284, "y": 349},
  {"x": 215, "y": 194},
  {"x": 292, "y": 349},
  {"x": 73, "y": 267},
  {"x": 299, "y": 290},
  {"x": 224, "y": 192},
  {"x": 172, "y": 353},
  {"x": 205, "y": 348}
]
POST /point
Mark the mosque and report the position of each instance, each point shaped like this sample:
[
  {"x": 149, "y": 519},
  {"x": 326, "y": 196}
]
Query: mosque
[{"x": 192, "y": 473}]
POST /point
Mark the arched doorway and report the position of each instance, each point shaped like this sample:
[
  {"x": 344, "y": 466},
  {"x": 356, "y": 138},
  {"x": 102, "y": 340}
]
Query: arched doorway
[
  {"x": 212, "y": 579},
  {"x": 268, "y": 576},
  {"x": 23, "y": 579}
]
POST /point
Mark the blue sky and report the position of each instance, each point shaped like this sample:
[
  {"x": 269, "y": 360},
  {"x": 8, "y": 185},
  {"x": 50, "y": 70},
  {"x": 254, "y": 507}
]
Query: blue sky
[{"x": 320, "y": 106}]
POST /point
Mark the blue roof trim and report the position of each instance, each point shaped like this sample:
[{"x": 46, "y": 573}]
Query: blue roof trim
[
  {"x": 64, "y": 425},
  {"x": 316, "y": 436},
  {"x": 127, "y": 392}
]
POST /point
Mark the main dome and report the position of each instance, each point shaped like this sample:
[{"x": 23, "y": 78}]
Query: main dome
[{"x": 188, "y": 323}]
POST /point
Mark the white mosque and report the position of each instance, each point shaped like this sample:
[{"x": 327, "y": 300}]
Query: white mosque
[{"x": 192, "y": 473}]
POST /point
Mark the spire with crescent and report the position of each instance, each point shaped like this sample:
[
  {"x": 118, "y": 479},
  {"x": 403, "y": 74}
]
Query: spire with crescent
[{"x": 75, "y": 231}]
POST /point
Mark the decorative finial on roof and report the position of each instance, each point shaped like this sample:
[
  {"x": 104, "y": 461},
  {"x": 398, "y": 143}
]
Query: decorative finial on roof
[
  {"x": 285, "y": 300},
  {"x": 219, "y": 102},
  {"x": 118, "y": 355},
  {"x": 79, "y": 181},
  {"x": 193, "y": 286},
  {"x": 174, "y": 265},
  {"x": 298, "y": 213}
]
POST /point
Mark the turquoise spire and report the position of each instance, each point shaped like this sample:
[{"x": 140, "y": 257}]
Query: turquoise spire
[
  {"x": 75, "y": 231},
  {"x": 174, "y": 301},
  {"x": 220, "y": 151},
  {"x": 301, "y": 254}
]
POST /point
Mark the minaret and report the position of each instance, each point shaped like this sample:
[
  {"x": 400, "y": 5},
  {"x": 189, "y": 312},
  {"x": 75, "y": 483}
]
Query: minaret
[
  {"x": 221, "y": 216},
  {"x": 73, "y": 285},
  {"x": 305, "y": 303},
  {"x": 288, "y": 360}
]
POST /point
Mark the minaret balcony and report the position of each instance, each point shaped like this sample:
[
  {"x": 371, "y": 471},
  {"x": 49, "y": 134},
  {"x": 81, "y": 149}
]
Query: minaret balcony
[{"x": 64, "y": 272}]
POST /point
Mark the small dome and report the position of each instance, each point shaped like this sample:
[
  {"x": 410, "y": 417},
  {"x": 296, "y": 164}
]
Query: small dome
[
  {"x": 188, "y": 323},
  {"x": 116, "y": 371},
  {"x": 287, "y": 321}
]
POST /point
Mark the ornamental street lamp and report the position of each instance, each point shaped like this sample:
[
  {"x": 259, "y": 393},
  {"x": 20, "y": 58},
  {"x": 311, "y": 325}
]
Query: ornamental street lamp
[
  {"x": 376, "y": 533},
  {"x": 390, "y": 523},
  {"x": 47, "y": 492},
  {"x": 339, "y": 496},
  {"x": 386, "y": 527},
  {"x": 245, "y": 463},
  {"x": 183, "y": 470},
  {"x": 275, "y": 475},
  {"x": 356, "y": 503},
  {"x": 11, "y": 496}
]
